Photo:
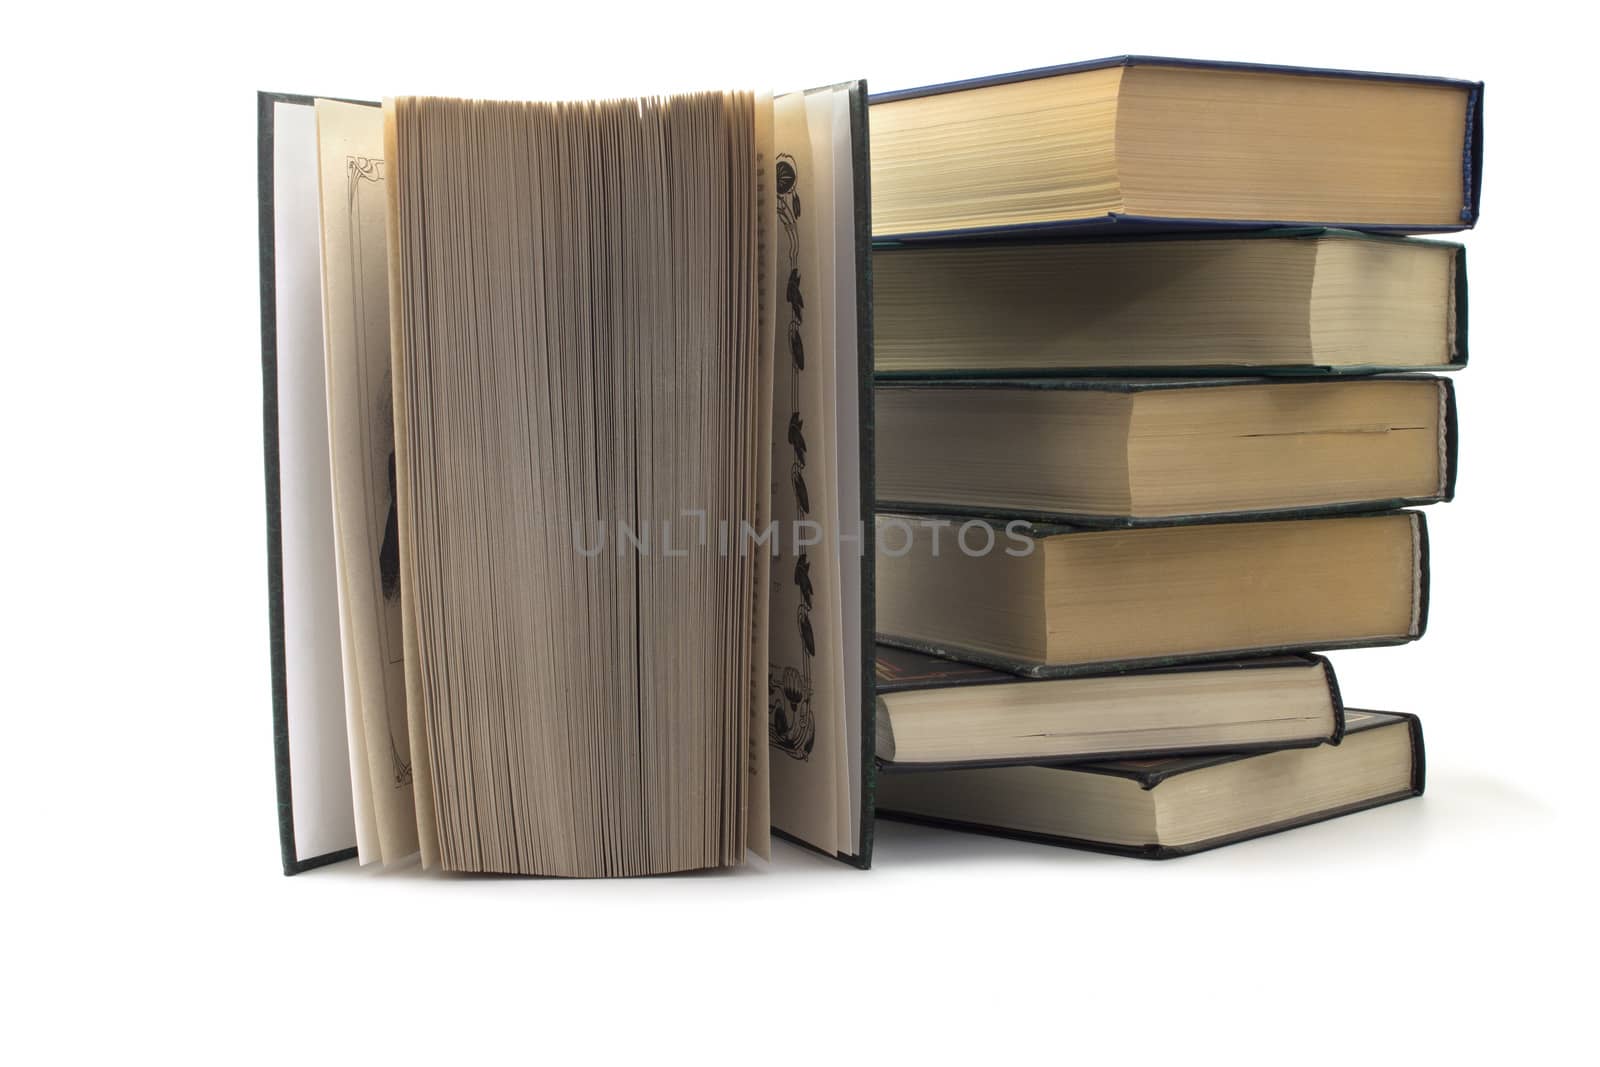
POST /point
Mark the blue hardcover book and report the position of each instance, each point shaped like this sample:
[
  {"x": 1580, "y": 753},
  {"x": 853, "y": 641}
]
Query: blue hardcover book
[{"x": 1168, "y": 145}]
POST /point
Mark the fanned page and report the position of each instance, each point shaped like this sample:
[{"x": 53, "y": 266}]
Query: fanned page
[
  {"x": 416, "y": 718},
  {"x": 355, "y": 287},
  {"x": 580, "y": 357},
  {"x": 759, "y": 834}
]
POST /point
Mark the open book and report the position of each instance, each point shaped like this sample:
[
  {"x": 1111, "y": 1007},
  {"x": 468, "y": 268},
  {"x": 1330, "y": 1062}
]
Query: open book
[{"x": 568, "y": 487}]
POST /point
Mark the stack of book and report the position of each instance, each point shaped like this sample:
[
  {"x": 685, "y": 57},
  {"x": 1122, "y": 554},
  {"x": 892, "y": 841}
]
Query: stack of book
[{"x": 1155, "y": 404}]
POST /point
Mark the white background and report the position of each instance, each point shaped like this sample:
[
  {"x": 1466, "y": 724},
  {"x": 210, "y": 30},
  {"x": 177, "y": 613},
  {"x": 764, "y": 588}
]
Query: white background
[{"x": 146, "y": 910}]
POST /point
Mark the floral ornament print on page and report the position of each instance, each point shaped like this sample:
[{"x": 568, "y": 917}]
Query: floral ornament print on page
[{"x": 791, "y": 726}]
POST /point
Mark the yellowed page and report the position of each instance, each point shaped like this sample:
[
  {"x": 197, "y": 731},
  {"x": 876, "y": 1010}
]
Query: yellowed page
[
  {"x": 821, "y": 210},
  {"x": 355, "y": 281},
  {"x": 758, "y": 833},
  {"x": 416, "y": 718}
]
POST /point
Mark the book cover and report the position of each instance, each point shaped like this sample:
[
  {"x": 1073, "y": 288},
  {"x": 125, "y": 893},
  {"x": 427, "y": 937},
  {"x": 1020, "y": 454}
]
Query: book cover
[{"x": 322, "y": 837}]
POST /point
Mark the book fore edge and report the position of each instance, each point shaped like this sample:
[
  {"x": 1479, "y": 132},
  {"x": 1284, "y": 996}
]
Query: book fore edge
[{"x": 1469, "y": 163}]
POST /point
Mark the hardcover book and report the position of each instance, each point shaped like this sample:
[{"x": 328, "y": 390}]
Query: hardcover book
[
  {"x": 942, "y": 713},
  {"x": 1174, "y": 806},
  {"x": 1124, "y": 452},
  {"x": 1278, "y": 301},
  {"x": 1146, "y": 142},
  {"x": 553, "y": 393},
  {"x": 1054, "y": 601}
]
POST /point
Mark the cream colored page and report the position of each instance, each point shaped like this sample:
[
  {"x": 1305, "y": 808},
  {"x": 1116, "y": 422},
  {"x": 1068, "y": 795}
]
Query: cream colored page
[
  {"x": 823, "y": 213},
  {"x": 416, "y": 719},
  {"x": 800, "y": 685},
  {"x": 368, "y": 848},
  {"x": 758, "y": 834},
  {"x": 355, "y": 281}
]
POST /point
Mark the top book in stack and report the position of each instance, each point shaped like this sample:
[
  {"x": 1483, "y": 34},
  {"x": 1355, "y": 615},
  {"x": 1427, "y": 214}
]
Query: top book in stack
[{"x": 1138, "y": 142}]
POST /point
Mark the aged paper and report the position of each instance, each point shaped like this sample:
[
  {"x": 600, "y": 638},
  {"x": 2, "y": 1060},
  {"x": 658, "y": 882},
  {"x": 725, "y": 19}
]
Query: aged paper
[
  {"x": 355, "y": 279},
  {"x": 758, "y": 834},
  {"x": 823, "y": 213},
  {"x": 417, "y": 719},
  {"x": 803, "y": 674}
]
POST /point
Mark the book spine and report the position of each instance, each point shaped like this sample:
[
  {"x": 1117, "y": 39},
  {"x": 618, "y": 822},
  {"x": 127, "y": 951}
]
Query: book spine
[
  {"x": 1451, "y": 443},
  {"x": 1337, "y": 699},
  {"x": 1472, "y": 158},
  {"x": 1423, "y": 579},
  {"x": 1419, "y": 757}
]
